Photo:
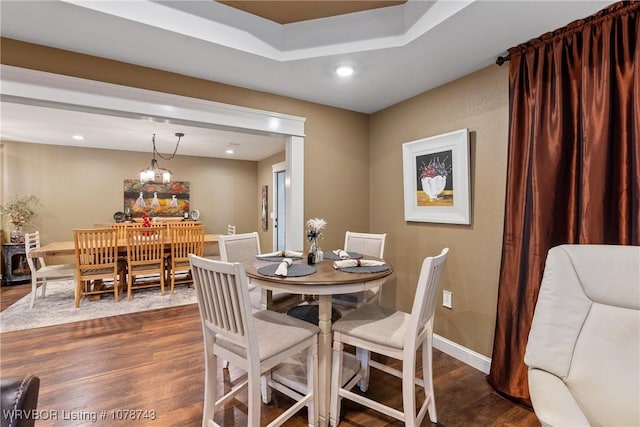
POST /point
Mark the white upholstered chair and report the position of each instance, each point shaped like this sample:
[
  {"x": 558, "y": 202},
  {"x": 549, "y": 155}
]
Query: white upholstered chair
[
  {"x": 367, "y": 244},
  {"x": 41, "y": 272},
  {"x": 239, "y": 248},
  {"x": 583, "y": 351},
  {"x": 397, "y": 335},
  {"x": 254, "y": 342}
]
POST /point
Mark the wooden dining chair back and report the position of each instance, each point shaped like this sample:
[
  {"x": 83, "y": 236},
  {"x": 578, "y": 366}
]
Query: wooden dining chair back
[
  {"x": 145, "y": 257},
  {"x": 184, "y": 240},
  {"x": 122, "y": 228},
  {"x": 397, "y": 335},
  {"x": 231, "y": 229},
  {"x": 366, "y": 244},
  {"x": 96, "y": 252},
  {"x": 173, "y": 224},
  {"x": 41, "y": 272},
  {"x": 254, "y": 342}
]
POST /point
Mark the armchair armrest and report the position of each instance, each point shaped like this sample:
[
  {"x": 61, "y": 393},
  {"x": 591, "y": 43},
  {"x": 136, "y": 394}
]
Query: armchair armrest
[
  {"x": 553, "y": 403},
  {"x": 19, "y": 397}
]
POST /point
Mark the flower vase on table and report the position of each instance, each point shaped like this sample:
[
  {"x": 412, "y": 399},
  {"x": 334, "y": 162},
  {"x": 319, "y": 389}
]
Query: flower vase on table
[
  {"x": 314, "y": 227},
  {"x": 17, "y": 234}
]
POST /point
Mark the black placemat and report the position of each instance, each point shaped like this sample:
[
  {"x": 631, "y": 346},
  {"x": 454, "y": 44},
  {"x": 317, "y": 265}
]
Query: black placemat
[
  {"x": 365, "y": 269},
  {"x": 276, "y": 258},
  {"x": 332, "y": 256},
  {"x": 310, "y": 313},
  {"x": 294, "y": 270}
]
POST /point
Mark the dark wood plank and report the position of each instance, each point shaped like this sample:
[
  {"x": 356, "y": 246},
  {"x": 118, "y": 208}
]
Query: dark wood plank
[{"x": 153, "y": 361}]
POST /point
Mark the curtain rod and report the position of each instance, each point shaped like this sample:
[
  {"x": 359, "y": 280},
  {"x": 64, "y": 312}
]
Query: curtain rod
[{"x": 502, "y": 59}]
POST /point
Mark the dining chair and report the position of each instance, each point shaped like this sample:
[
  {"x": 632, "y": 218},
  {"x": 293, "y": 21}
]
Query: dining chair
[
  {"x": 122, "y": 228},
  {"x": 41, "y": 272},
  {"x": 254, "y": 342},
  {"x": 244, "y": 246},
  {"x": 96, "y": 252},
  {"x": 184, "y": 240},
  {"x": 365, "y": 244},
  {"x": 145, "y": 258},
  {"x": 231, "y": 229},
  {"x": 397, "y": 335}
]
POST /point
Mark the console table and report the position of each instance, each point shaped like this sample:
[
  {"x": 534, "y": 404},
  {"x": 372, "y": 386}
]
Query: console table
[{"x": 15, "y": 268}]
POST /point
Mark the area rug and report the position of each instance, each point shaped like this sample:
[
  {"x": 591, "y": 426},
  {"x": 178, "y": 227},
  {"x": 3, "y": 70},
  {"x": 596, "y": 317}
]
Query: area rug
[{"x": 58, "y": 306}]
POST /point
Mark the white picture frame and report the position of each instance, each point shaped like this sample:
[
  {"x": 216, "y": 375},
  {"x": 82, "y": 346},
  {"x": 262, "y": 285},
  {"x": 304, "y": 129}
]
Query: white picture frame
[{"x": 436, "y": 178}]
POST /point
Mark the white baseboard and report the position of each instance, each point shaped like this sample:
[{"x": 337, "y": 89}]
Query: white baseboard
[{"x": 470, "y": 357}]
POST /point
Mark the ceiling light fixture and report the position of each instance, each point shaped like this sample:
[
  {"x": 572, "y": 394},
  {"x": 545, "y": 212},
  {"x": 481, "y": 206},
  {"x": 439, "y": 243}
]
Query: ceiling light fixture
[
  {"x": 78, "y": 137},
  {"x": 154, "y": 173},
  {"x": 231, "y": 148},
  {"x": 345, "y": 70}
]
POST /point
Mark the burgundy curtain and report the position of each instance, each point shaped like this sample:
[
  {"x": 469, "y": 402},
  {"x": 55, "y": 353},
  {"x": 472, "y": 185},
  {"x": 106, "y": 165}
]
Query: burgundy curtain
[{"x": 573, "y": 172}]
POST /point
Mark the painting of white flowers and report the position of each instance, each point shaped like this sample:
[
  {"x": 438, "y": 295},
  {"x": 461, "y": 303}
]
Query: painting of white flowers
[{"x": 436, "y": 178}]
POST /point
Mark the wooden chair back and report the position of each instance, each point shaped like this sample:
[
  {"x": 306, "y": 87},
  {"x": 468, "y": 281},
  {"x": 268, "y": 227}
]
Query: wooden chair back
[
  {"x": 145, "y": 256},
  {"x": 231, "y": 229},
  {"x": 145, "y": 245},
  {"x": 424, "y": 302},
  {"x": 122, "y": 228},
  {"x": 96, "y": 252},
  {"x": 223, "y": 300},
  {"x": 186, "y": 240},
  {"x": 31, "y": 242}
]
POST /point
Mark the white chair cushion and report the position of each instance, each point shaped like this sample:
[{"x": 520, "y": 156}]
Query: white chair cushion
[
  {"x": 276, "y": 332},
  {"x": 377, "y": 324}
]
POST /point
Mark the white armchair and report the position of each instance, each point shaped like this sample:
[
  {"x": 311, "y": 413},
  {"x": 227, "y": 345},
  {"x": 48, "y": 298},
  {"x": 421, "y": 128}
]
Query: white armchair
[{"x": 583, "y": 351}]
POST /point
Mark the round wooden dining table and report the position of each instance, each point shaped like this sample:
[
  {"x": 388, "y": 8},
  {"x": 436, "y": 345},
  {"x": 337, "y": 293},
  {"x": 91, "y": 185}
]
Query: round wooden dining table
[{"x": 324, "y": 283}]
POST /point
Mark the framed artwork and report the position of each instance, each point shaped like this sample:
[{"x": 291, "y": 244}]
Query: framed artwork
[
  {"x": 265, "y": 208},
  {"x": 436, "y": 178},
  {"x": 158, "y": 200}
]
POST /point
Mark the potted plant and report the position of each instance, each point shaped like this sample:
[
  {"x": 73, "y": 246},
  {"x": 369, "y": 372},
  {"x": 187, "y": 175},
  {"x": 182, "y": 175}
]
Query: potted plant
[{"x": 20, "y": 210}]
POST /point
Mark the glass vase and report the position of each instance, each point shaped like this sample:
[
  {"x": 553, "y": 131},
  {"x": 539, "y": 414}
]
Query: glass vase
[{"x": 17, "y": 234}]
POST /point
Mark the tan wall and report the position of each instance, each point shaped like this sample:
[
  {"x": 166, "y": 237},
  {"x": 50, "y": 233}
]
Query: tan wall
[
  {"x": 336, "y": 141},
  {"x": 477, "y": 102},
  {"x": 78, "y": 187},
  {"x": 353, "y": 173}
]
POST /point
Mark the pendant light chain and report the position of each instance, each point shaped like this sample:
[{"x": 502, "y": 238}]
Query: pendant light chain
[{"x": 153, "y": 139}]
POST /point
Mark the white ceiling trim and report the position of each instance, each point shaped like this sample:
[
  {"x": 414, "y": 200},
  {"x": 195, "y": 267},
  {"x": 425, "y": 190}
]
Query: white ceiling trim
[
  {"x": 33, "y": 87},
  {"x": 353, "y": 32}
]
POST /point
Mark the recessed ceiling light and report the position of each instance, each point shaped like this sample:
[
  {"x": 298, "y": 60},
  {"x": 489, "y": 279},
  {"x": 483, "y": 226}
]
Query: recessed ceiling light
[
  {"x": 345, "y": 70},
  {"x": 231, "y": 148},
  {"x": 78, "y": 137}
]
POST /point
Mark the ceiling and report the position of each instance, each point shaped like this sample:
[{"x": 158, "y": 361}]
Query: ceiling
[{"x": 399, "y": 49}]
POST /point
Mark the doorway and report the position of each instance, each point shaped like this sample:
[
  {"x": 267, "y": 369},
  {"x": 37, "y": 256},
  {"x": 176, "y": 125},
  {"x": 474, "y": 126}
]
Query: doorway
[{"x": 279, "y": 214}]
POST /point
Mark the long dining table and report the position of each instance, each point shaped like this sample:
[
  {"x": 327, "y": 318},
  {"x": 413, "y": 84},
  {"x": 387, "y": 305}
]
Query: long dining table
[
  {"x": 67, "y": 247},
  {"x": 324, "y": 283}
]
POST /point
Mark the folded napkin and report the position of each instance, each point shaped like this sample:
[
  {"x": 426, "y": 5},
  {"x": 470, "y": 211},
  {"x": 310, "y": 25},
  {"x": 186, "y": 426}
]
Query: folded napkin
[
  {"x": 282, "y": 254},
  {"x": 283, "y": 267},
  {"x": 356, "y": 263},
  {"x": 342, "y": 254}
]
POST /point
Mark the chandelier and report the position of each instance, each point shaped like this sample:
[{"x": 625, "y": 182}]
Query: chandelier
[{"x": 155, "y": 174}]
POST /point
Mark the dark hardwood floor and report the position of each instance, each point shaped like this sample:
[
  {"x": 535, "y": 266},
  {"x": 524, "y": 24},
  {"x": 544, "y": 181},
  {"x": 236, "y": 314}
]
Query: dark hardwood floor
[{"x": 153, "y": 361}]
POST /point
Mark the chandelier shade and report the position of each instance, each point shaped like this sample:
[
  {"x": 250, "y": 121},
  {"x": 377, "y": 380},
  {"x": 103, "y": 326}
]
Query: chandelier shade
[{"x": 154, "y": 174}]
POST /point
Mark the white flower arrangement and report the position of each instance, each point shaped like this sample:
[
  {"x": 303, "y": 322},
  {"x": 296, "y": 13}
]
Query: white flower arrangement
[{"x": 314, "y": 227}]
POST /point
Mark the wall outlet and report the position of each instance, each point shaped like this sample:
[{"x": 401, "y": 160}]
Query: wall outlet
[{"x": 446, "y": 299}]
